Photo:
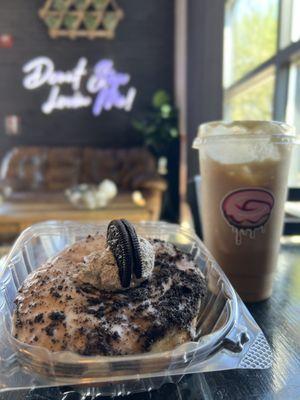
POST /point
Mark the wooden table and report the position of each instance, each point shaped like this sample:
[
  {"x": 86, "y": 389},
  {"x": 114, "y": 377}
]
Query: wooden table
[
  {"x": 279, "y": 317},
  {"x": 24, "y": 210}
]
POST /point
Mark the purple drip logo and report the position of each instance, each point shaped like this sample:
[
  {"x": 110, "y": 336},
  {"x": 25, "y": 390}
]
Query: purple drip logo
[{"x": 103, "y": 89}]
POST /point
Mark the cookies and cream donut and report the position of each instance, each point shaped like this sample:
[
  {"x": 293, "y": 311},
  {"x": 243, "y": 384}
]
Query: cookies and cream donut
[{"x": 84, "y": 302}]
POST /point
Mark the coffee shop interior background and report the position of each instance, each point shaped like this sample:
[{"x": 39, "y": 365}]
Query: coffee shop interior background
[{"x": 114, "y": 90}]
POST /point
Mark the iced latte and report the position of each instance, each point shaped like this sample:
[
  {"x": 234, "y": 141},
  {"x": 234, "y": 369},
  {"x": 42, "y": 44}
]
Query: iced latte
[{"x": 244, "y": 169}]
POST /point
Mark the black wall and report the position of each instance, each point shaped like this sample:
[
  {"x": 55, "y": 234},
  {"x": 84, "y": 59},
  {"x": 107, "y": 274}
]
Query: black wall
[
  {"x": 204, "y": 69},
  {"x": 143, "y": 47}
]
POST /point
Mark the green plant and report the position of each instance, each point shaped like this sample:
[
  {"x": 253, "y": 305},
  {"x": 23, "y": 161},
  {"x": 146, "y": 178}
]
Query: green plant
[
  {"x": 110, "y": 20},
  {"x": 159, "y": 126},
  {"x": 70, "y": 21},
  {"x": 91, "y": 21},
  {"x": 80, "y": 4},
  {"x": 53, "y": 22},
  {"x": 60, "y": 5},
  {"x": 100, "y": 4}
]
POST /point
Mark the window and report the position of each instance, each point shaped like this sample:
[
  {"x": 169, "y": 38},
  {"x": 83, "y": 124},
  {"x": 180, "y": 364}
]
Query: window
[
  {"x": 293, "y": 117},
  {"x": 262, "y": 64},
  {"x": 255, "y": 99},
  {"x": 249, "y": 26}
]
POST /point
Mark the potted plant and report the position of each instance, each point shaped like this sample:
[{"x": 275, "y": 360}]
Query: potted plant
[{"x": 159, "y": 128}]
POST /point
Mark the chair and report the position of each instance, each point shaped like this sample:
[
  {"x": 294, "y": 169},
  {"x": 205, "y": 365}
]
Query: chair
[
  {"x": 292, "y": 216},
  {"x": 194, "y": 200}
]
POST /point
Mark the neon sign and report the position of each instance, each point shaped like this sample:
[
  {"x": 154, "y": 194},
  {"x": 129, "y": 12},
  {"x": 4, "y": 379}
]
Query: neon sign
[{"x": 101, "y": 89}]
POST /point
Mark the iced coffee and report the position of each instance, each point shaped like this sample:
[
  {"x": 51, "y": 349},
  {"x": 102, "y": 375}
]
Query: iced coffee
[{"x": 244, "y": 169}]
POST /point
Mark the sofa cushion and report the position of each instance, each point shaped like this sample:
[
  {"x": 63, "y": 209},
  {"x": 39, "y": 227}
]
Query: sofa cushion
[
  {"x": 23, "y": 168},
  {"x": 134, "y": 163},
  {"x": 99, "y": 164},
  {"x": 62, "y": 168},
  {"x": 57, "y": 168},
  {"x": 69, "y": 156}
]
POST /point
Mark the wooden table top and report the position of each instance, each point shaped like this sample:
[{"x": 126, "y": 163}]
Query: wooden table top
[{"x": 25, "y": 209}]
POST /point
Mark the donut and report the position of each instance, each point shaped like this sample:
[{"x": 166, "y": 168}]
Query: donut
[
  {"x": 56, "y": 311},
  {"x": 247, "y": 208}
]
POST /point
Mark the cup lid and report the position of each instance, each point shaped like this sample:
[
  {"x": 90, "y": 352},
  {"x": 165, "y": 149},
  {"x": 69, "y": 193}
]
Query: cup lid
[{"x": 275, "y": 130}]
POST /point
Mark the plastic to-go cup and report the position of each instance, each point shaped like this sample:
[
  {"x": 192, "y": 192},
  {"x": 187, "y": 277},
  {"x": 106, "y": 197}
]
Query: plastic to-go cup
[{"x": 244, "y": 169}]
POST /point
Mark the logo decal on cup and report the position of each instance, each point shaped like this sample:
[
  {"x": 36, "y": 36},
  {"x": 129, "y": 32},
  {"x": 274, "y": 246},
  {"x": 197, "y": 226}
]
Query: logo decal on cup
[{"x": 247, "y": 210}]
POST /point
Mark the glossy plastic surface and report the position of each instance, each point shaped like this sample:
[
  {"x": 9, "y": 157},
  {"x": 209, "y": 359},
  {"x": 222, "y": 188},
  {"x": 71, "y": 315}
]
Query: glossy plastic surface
[{"x": 228, "y": 336}]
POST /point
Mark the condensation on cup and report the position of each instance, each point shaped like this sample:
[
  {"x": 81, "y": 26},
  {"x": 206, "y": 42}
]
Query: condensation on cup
[{"x": 244, "y": 172}]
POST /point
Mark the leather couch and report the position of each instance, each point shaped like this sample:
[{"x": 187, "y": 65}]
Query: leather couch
[{"x": 33, "y": 168}]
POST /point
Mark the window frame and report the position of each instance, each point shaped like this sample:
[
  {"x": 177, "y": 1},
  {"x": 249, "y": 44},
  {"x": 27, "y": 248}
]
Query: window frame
[{"x": 280, "y": 63}]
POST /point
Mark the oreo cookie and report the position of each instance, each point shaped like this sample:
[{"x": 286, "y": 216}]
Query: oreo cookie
[
  {"x": 120, "y": 244},
  {"x": 124, "y": 244},
  {"x": 136, "y": 251}
]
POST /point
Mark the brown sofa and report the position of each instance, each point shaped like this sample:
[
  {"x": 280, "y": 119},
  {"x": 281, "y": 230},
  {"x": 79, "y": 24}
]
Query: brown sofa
[{"x": 57, "y": 168}]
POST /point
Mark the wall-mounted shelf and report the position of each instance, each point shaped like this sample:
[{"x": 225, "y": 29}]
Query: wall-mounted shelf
[{"x": 81, "y": 18}]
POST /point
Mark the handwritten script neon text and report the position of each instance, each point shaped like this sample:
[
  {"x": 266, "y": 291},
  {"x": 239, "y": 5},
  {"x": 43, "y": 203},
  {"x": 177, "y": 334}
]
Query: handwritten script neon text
[{"x": 100, "y": 89}]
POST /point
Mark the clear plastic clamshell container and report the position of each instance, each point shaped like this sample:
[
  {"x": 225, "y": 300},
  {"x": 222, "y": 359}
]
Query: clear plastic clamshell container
[{"x": 229, "y": 338}]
